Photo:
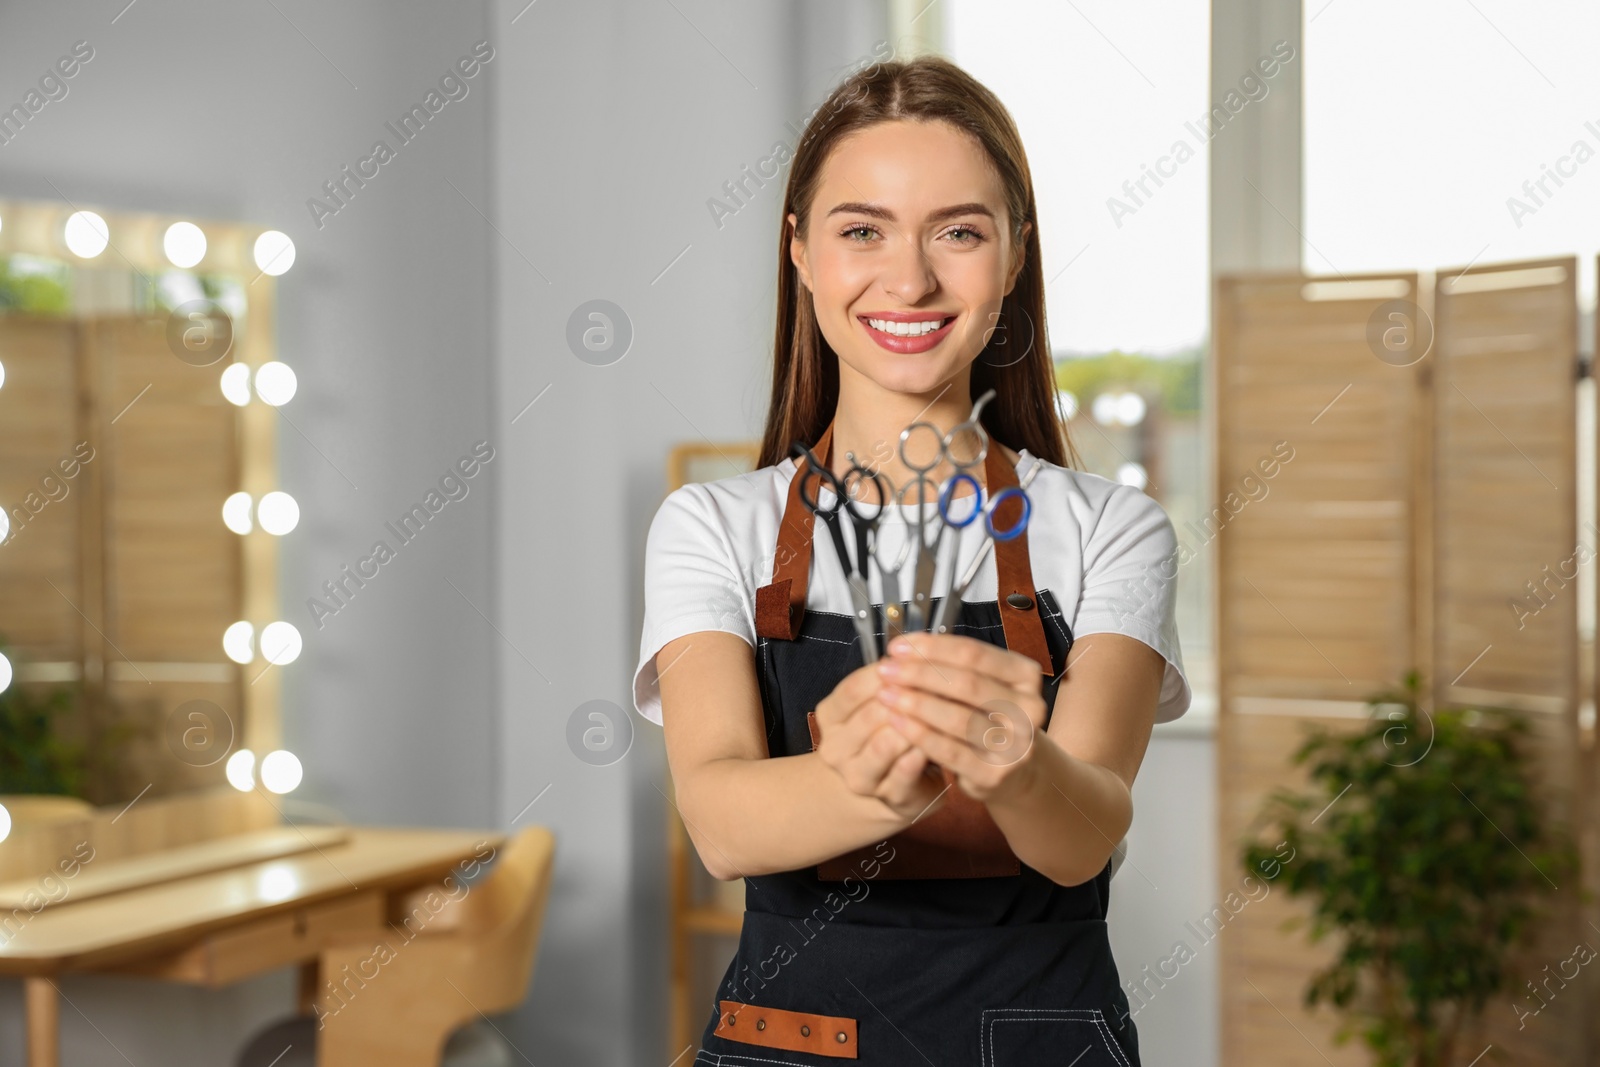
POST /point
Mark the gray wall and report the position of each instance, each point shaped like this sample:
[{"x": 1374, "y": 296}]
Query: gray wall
[{"x": 228, "y": 112}]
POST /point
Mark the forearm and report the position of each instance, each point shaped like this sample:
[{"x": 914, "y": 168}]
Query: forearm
[
  {"x": 778, "y": 814},
  {"x": 1065, "y": 818}
]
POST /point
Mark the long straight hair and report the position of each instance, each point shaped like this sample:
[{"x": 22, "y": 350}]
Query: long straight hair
[{"x": 805, "y": 372}]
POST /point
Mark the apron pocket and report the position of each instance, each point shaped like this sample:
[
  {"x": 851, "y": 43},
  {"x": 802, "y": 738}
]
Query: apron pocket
[{"x": 1072, "y": 1037}]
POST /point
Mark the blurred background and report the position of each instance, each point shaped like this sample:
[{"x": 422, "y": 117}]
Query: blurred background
[{"x": 1321, "y": 281}]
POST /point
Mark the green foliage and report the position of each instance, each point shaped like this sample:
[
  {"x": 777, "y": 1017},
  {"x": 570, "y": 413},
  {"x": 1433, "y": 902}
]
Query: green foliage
[
  {"x": 1173, "y": 383},
  {"x": 34, "y": 285},
  {"x": 1423, "y": 846},
  {"x": 34, "y": 757}
]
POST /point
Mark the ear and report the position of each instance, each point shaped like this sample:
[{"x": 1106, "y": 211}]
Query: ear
[
  {"x": 797, "y": 251},
  {"x": 1019, "y": 259}
]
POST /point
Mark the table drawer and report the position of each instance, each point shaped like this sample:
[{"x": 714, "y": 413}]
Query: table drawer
[{"x": 295, "y": 936}]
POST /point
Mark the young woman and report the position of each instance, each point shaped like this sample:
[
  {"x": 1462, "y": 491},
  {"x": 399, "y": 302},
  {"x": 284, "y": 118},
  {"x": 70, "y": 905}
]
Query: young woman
[{"x": 926, "y": 841}]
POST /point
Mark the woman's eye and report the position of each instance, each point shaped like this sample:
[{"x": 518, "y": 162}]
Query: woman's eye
[
  {"x": 974, "y": 235},
  {"x": 858, "y": 229}
]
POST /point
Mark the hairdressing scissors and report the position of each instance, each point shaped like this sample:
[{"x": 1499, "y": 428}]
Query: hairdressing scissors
[
  {"x": 965, "y": 447},
  {"x": 855, "y": 573},
  {"x": 949, "y": 609},
  {"x": 888, "y": 568}
]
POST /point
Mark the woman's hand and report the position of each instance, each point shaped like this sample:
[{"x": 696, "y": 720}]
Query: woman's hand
[
  {"x": 973, "y": 707},
  {"x": 872, "y": 756}
]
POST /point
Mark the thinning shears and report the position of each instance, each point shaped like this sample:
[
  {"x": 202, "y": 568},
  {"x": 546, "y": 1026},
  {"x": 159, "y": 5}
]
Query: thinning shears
[{"x": 964, "y": 447}]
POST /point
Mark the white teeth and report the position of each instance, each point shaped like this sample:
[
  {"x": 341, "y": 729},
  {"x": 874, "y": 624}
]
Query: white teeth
[{"x": 906, "y": 329}]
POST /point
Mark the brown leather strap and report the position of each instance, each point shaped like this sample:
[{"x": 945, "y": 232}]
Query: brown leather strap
[
  {"x": 1019, "y": 613},
  {"x": 781, "y": 605},
  {"x": 795, "y": 1031}
]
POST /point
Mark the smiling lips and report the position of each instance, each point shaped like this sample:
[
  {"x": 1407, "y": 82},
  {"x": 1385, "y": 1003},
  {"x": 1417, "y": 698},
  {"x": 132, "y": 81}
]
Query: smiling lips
[{"x": 907, "y": 332}]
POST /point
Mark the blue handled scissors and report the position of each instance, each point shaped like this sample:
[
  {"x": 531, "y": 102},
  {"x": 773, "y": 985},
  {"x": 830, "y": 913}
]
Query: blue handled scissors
[
  {"x": 949, "y": 609},
  {"x": 965, "y": 447},
  {"x": 855, "y": 573}
]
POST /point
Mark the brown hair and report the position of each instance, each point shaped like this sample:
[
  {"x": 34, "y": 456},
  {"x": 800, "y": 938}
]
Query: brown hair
[{"x": 805, "y": 372}]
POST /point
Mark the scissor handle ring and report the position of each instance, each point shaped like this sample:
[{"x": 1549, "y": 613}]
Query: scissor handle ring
[
  {"x": 815, "y": 469},
  {"x": 938, "y": 455},
  {"x": 856, "y": 475},
  {"x": 948, "y": 441},
  {"x": 1014, "y": 531},
  {"x": 960, "y": 478}
]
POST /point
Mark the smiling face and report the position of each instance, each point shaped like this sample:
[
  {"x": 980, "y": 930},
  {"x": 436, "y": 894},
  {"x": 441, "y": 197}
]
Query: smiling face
[{"x": 908, "y": 254}]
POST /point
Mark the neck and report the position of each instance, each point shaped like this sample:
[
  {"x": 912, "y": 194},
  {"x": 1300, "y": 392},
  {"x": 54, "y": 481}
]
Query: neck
[{"x": 869, "y": 419}]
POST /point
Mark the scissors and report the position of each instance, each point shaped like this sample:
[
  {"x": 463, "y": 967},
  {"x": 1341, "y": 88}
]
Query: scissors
[
  {"x": 855, "y": 573},
  {"x": 949, "y": 609},
  {"x": 888, "y": 569},
  {"x": 963, "y": 458}
]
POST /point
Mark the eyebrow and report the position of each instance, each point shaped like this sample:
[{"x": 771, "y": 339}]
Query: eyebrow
[{"x": 856, "y": 207}]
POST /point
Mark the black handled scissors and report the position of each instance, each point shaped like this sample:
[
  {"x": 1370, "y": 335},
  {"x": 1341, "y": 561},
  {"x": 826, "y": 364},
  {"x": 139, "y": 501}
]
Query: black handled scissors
[{"x": 855, "y": 572}]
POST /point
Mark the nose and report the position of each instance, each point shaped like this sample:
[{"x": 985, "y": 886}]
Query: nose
[{"x": 908, "y": 271}]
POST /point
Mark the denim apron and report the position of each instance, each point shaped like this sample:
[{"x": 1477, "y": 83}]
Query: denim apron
[{"x": 936, "y": 946}]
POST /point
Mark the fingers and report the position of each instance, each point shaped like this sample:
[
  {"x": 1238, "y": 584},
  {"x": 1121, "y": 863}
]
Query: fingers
[
  {"x": 958, "y": 692},
  {"x": 1011, "y": 669},
  {"x": 866, "y": 766},
  {"x": 853, "y": 690}
]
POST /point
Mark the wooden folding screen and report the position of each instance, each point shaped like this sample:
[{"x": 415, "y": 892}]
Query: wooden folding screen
[
  {"x": 130, "y": 578},
  {"x": 1433, "y": 476}
]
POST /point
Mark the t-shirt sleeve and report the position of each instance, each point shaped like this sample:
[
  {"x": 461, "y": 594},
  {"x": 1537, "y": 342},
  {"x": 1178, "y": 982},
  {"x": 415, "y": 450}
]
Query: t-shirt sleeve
[
  {"x": 1130, "y": 586},
  {"x": 691, "y": 584}
]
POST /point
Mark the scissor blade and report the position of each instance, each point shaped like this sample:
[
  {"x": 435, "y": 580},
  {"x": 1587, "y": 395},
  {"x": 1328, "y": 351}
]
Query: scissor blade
[{"x": 866, "y": 623}]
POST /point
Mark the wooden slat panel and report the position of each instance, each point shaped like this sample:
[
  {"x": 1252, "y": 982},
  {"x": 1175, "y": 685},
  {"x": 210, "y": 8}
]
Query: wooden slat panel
[
  {"x": 1315, "y": 580},
  {"x": 173, "y": 579},
  {"x": 1506, "y": 514},
  {"x": 39, "y": 574}
]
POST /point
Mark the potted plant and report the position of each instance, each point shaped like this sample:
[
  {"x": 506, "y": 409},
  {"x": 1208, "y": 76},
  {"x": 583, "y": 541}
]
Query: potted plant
[{"x": 1423, "y": 845}]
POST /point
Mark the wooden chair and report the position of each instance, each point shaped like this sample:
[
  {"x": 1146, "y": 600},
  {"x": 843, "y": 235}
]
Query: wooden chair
[{"x": 398, "y": 998}]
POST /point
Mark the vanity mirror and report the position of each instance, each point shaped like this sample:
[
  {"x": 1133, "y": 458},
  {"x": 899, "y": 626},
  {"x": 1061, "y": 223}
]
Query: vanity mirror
[{"x": 140, "y": 395}]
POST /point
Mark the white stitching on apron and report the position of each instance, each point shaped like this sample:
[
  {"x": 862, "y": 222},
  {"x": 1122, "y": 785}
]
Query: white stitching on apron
[{"x": 1088, "y": 1015}]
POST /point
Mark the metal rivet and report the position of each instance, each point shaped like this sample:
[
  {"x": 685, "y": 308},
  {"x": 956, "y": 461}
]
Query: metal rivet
[
  {"x": 729, "y": 1019},
  {"x": 842, "y": 1038},
  {"x": 805, "y": 1031},
  {"x": 761, "y": 1024},
  {"x": 1021, "y": 601}
]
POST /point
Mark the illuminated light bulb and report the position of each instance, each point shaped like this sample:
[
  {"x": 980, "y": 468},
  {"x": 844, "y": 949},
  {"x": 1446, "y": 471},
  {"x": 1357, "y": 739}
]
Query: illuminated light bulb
[
  {"x": 275, "y": 383},
  {"x": 184, "y": 244},
  {"x": 274, "y": 252},
  {"x": 5, "y": 525},
  {"x": 239, "y": 642},
  {"x": 280, "y": 643},
  {"x": 235, "y": 384},
  {"x": 281, "y": 771},
  {"x": 5, "y": 673},
  {"x": 236, "y": 513},
  {"x": 2, "y": 374},
  {"x": 1130, "y": 409},
  {"x": 86, "y": 234},
  {"x": 241, "y": 770},
  {"x": 5, "y": 823},
  {"x": 1133, "y": 474},
  {"x": 278, "y": 513}
]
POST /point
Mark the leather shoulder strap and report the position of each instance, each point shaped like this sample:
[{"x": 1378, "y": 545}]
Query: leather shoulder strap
[
  {"x": 781, "y": 604},
  {"x": 1019, "y": 609}
]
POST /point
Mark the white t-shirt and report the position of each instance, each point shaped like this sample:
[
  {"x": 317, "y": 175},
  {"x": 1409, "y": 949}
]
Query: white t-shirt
[{"x": 1106, "y": 550}]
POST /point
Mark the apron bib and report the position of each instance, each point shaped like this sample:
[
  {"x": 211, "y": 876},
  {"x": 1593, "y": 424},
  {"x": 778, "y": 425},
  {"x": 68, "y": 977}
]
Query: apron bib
[{"x": 936, "y": 945}]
